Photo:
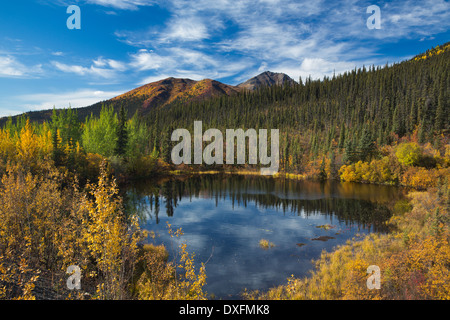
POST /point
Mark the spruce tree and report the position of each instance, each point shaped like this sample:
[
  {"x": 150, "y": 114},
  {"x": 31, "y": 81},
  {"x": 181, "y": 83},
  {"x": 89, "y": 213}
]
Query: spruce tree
[
  {"x": 366, "y": 146},
  {"x": 439, "y": 121},
  {"x": 122, "y": 133}
]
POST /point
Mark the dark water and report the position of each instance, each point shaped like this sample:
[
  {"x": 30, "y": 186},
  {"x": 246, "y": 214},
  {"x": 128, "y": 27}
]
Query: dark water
[{"x": 224, "y": 217}]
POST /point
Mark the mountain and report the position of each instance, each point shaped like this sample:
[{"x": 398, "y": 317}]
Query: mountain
[
  {"x": 161, "y": 93},
  {"x": 266, "y": 78}
]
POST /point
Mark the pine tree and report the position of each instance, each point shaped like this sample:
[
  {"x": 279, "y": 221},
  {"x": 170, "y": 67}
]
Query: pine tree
[
  {"x": 350, "y": 152},
  {"x": 440, "y": 112},
  {"x": 333, "y": 166},
  {"x": 341, "y": 142},
  {"x": 166, "y": 146},
  {"x": 422, "y": 132},
  {"x": 122, "y": 133},
  {"x": 366, "y": 146}
]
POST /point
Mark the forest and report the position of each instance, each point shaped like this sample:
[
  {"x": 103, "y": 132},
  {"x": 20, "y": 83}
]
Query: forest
[{"x": 60, "y": 198}]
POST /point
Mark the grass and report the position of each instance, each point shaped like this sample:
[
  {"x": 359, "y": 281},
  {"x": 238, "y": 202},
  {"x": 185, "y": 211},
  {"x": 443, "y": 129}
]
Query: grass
[{"x": 266, "y": 244}]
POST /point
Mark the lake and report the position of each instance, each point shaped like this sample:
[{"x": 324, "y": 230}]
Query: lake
[{"x": 224, "y": 217}]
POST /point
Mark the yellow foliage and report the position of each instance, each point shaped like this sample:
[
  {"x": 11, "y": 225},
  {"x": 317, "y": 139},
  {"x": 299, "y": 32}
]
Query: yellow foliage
[
  {"x": 161, "y": 280},
  {"x": 108, "y": 236},
  {"x": 27, "y": 147}
]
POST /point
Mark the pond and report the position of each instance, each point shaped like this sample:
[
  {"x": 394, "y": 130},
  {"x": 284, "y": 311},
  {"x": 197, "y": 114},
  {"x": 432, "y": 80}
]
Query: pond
[{"x": 224, "y": 218}]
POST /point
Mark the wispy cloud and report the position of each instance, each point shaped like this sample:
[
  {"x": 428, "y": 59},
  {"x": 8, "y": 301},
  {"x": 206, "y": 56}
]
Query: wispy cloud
[
  {"x": 148, "y": 60},
  {"x": 77, "y": 98},
  {"x": 303, "y": 37},
  {"x": 229, "y": 40},
  {"x": 123, "y": 4},
  {"x": 103, "y": 68},
  {"x": 185, "y": 63},
  {"x": 10, "y": 67}
]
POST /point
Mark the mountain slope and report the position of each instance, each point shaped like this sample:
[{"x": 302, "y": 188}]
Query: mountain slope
[
  {"x": 166, "y": 91},
  {"x": 266, "y": 78}
]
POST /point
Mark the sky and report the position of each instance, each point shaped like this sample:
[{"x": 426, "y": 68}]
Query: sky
[{"x": 123, "y": 44}]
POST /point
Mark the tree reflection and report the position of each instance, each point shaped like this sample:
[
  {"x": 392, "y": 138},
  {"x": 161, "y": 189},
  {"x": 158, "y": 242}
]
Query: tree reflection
[{"x": 365, "y": 205}]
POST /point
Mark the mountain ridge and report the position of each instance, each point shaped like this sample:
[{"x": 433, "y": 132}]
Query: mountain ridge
[
  {"x": 161, "y": 93},
  {"x": 267, "y": 78}
]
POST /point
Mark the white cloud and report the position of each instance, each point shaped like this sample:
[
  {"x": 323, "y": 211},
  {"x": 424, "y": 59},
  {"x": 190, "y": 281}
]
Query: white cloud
[
  {"x": 83, "y": 71},
  {"x": 317, "y": 68},
  {"x": 123, "y": 4},
  {"x": 185, "y": 63},
  {"x": 11, "y": 68},
  {"x": 78, "y": 98},
  {"x": 113, "y": 64},
  {"x": 236, "y": 38},
  {"x": 148, "y": 60},
  {"x": 185, "y": 29},
  {"x": 103, "y": 68}
]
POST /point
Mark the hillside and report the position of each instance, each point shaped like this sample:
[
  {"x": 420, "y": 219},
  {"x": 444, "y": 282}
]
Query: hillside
[
  {"x": 163, "y": 92},
  {"x": 349, "y": 116}
]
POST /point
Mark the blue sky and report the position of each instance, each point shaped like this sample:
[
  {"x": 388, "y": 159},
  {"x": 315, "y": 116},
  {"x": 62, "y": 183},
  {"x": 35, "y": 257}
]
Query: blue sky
[{"x": 123, "y": 44}]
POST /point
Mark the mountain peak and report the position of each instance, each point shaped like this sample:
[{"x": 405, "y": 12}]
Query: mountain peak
[
  {"x": 267, "y": 78},
  {"x": 168, "y": 90}
]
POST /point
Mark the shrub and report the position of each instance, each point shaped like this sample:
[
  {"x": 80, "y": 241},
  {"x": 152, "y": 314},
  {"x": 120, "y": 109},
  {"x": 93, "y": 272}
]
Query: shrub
[{"x": 408, "y": 154}]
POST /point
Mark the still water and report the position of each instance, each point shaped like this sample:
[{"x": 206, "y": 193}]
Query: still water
[{"x": 224, "y": 217}]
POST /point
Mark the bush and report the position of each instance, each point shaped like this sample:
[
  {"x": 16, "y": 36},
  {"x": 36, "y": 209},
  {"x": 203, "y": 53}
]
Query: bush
[{"x": 408, "y": 154}]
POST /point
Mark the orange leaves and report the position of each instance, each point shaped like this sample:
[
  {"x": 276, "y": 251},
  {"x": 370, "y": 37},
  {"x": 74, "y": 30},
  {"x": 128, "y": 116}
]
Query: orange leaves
[
  {"x": 420, "y": 178},
  {"x": 421, "y": 271}
]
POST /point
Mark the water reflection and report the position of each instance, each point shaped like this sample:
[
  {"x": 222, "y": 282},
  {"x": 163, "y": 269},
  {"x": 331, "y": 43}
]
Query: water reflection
[{"x": 224, "y": 217}]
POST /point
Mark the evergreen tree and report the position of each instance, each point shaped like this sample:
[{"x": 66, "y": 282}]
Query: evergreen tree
[
  {"x": 333, "y": 166},
  {"x": 166, "y": 146},
  {"x": 440, "y": 117},
  {"x": 366, "y": 146},
  {"x": 322, "y": 171},
  {"x": 122, "y": 133},
  {"x": 350, "y": 155},
  {"x": 341, "y": 142}
]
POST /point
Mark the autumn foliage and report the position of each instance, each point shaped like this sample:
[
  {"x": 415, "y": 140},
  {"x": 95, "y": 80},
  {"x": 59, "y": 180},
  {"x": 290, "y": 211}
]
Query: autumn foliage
[{"x": 409, "y": 164}]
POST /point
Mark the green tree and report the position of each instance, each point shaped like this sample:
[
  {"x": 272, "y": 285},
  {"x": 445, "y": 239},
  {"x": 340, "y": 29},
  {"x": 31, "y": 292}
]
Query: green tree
[
  {"x": 408, "y": 154},
  {"x": 100, "y": 134},
  {"x": 122, "y": 133},
  {"x": 350, "y": 154},
  {"x": 440, "y": 118},
  {"x": 341, "y": 142},
  {"x": 366, "y": 146},
  {"x": 138, "y": 137},
  {"x": 166, "y": 145}
]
